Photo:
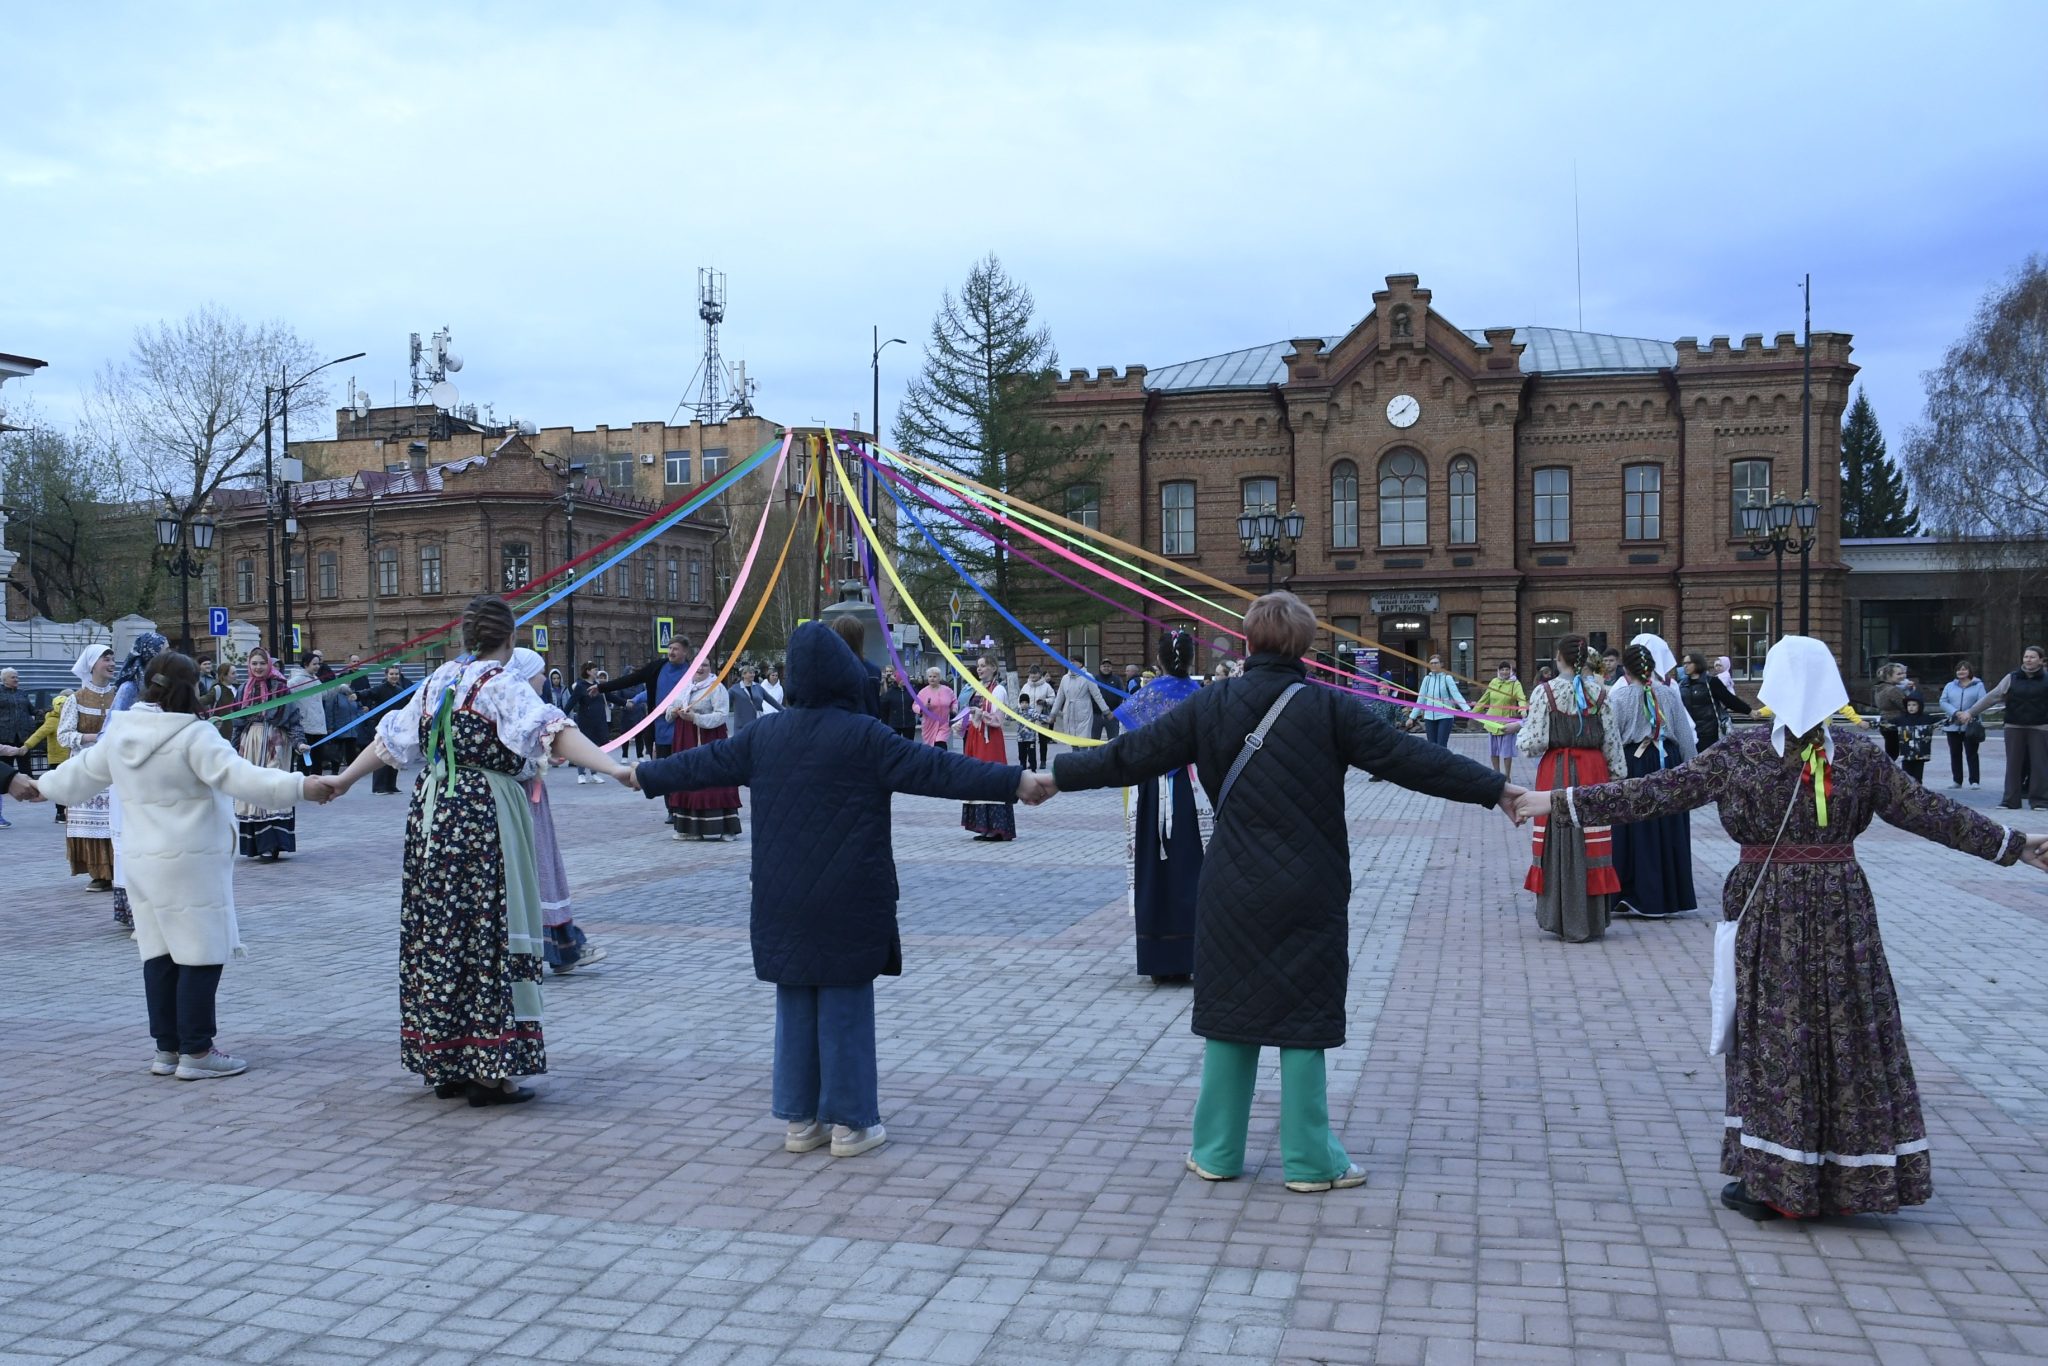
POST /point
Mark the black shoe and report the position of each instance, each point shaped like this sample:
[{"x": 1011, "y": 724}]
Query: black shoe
[
  {"x": 2008, "y": 806},
  {"x": 481, "y": 1095},
  {"x": 1172, "y": 979},
  {"x": 1738, "y": 1199},
  {"x": 450, "y": 1090}
]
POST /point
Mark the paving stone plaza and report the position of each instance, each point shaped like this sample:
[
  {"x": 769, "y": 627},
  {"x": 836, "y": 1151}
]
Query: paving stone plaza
[{"x": 1540, "y": 1121}]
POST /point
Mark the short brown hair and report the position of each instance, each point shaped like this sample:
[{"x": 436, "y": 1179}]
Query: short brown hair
[{"x": 1279, "y": 623}]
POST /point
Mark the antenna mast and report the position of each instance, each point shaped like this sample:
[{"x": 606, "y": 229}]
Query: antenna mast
[{"x": 711, "y": 405}]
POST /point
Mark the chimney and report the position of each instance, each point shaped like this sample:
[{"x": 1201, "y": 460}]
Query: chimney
[{"x": 416, "y": 457}]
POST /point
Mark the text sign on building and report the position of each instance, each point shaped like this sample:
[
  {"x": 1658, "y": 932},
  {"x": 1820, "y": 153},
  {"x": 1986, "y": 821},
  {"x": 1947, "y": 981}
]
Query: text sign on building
[
  {"x": 1388, "y": 604},
  {"x": 217, "y": 621}
]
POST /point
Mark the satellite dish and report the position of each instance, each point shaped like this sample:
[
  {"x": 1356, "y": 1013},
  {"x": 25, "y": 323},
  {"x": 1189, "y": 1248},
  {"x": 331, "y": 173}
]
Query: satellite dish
[
  {"x": 362, "y": 404},
  {"x": 452, "y": 361},
  {"x": 444, "y": 395}
]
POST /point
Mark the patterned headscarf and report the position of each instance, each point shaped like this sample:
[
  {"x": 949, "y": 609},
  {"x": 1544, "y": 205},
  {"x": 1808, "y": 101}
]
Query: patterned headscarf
[
  {"x": 148, "y": 646},
  {"x": 255, "y": 691}
]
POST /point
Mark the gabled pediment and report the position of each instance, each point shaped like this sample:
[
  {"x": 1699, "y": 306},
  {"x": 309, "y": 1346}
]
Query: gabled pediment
[{"x": 1402, "y": 323}]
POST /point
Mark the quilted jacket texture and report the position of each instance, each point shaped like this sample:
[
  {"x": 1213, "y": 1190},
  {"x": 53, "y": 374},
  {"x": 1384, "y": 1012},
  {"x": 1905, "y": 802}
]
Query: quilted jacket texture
[
  {"x": 1272, "y": 951},
  {"x": 821, "y": 773}
]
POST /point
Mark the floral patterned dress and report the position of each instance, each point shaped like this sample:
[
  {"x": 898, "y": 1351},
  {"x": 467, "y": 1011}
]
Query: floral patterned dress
[
  {"x": 469, "y": 922},
  {"x": 1822, "y": 1116}
]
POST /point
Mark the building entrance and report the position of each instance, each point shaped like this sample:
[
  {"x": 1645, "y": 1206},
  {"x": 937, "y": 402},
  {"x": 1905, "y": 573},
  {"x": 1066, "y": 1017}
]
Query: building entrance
[{"x": 1410, "y": 636}]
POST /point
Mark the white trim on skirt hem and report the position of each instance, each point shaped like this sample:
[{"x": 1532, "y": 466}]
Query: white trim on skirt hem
[{"x": 1890, "y": 1159}]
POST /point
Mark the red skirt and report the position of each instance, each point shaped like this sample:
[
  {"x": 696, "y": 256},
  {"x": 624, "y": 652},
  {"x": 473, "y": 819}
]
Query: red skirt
[
  {"x": 703, "y": 798},
  {"x": 1575, "y": 768}
]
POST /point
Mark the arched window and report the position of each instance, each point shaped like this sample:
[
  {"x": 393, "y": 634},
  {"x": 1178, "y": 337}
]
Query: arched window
[
  {"x": 1404, "y": 499},
  {"x": 1344, "y": 506},
  {"x": 1464, "y": 500}
]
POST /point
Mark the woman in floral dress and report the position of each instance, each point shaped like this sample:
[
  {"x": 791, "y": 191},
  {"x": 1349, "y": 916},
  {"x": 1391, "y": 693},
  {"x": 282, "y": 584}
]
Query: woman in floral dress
[
  {"x": 1570, "y": 731},
  {"x": 469, "y": 922},
  {"x": 1822, "y": 1114},
  {"x": 271, "y": 738}
]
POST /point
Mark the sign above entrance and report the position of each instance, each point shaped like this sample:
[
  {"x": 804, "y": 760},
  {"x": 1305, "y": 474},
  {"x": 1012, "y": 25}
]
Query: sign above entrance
[{"x": 1413, "y": 600}]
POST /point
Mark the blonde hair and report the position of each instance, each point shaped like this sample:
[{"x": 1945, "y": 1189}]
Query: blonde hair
[{"x": 1279, "y": 623}]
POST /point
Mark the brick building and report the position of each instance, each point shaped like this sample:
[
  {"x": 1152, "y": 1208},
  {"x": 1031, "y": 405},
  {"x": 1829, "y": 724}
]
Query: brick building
[
  {"x": 1478, "y": 492},
  {"x": 384, "y": 554}
]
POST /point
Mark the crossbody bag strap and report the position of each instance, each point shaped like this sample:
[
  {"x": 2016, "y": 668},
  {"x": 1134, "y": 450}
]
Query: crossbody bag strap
[{"x": 1256, "y": 741}]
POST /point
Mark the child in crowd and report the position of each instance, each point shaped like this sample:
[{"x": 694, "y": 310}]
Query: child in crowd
[
  {"x": 823, "y": 925},
  {"x": 1916, "y": 738},
  {"x": 174, "y": 775}
]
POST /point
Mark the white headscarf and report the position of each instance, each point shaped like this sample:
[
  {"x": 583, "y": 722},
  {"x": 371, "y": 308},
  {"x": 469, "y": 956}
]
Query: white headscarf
[
  {"x": 525, "y": 664},
  {"x": 1803, "y": 687},
  {"x": 1661, "y": 657},
  {"x": 89, "y": 656},
  {"x": 1724, "y": 669}
]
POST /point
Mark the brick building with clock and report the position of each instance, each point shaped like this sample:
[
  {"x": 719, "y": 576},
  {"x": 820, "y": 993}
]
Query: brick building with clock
[{"x": 1477, "y": 492}]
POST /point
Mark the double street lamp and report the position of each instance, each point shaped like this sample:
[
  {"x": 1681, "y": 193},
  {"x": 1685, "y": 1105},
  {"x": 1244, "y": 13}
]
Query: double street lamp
[
  {"x": 276, "y": 500},
  {"x": 172, "y": 533},
  {"x": 1267, "y": 538},
  {"x": 1777, "y": 529}
]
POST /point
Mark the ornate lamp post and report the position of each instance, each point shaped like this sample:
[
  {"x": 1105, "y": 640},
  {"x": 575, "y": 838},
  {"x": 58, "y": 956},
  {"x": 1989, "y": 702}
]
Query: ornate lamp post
[
  {"x": 1782, "y": 527},
  {"x": 171, "y": 533},
  {"x": 1267, "y": 538}
]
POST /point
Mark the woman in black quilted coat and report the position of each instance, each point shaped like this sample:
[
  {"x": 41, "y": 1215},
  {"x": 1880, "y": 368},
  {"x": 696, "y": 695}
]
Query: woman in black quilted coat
[
  {"x": 1271, "y": 934},
  {"x": 824, "y": 916}
]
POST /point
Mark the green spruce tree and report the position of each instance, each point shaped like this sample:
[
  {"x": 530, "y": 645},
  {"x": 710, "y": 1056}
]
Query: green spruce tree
[
  {"x": 978, "y": 408},
  {"x": 1875, "y": 500}
]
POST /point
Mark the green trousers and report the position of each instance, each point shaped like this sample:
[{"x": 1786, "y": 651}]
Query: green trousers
[{"x": 1308, "y": 1150}]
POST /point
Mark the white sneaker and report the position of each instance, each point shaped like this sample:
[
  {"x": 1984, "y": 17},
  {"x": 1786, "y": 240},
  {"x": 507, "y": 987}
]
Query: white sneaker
[
  {"x": 805, "y": 1135},
  {"x": 214, "y": 1063},
  {"x": 853, "y": 1142},
  {"x": 592, "y": 954},
  {"x": 165, "y": 1064},
  {"x": 678, "y": 835},
  {"x": 1354, "y": 1175},
  {"x": 1196, "y": 1168},
  {"x": 579, "y": 780}
]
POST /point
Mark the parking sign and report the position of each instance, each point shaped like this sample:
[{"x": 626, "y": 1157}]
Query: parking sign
[{"x": 216, "y": 621}]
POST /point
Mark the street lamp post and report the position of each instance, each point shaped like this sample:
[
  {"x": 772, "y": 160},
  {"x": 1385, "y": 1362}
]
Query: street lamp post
[
  {"x": 274, "y": 508},
  {"x": 1267, "y": 538},
  {"x": 875, "y": 414},
  {"x": 171, "y": 532},
  {"x": 1782, "y": 527},
  {"x": 569, "y": 553}
]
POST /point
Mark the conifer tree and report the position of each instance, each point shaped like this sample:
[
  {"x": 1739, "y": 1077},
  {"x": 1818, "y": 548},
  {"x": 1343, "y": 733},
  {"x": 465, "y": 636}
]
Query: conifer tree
[
  {"x": 978, "y": 408},
  {"x": 1875, "y": 500}
]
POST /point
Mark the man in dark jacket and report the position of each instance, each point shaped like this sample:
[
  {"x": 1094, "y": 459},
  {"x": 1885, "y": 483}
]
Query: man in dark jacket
[
  {"x": 649, "y": 674},
  {"x": 385, "y": 779},
  {"x": 824, "y": 910},
  {"x": 1271, "y": 934}
]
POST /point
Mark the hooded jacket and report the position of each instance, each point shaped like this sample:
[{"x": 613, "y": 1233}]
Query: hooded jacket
[
  {"x": 174, "y": 777},
  {"x": 822, "y": 771}
]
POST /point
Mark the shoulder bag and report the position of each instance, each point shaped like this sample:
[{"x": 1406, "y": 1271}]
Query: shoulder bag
[
  {"x": 1255, "y": 742},
  {"x": 1722, "y": 995}
]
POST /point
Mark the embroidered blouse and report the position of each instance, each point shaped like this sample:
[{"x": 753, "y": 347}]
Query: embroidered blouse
[
  {"x": 1558, "y": 695},
  {"x": 526, "y": 725}
]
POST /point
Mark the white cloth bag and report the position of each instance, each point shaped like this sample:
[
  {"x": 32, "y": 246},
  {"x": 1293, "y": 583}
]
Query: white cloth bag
[{"x": 1722, "y": 994}]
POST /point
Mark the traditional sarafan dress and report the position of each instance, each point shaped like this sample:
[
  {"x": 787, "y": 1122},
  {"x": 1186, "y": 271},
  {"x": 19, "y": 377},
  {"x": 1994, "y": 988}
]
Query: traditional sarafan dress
[
  {"x": 88, "y": 829},
  {"x": 711, "y": 813},
  {"x": 1653, "y": 858},
  {"x": 981, "y": 737},
  {"x": 1822, "y": 1116},
  {"x": 269, "y": 739},
  {"x": 469, "y": 921},
  {"x": 1569, "y": 730},
  {"x": 1168, "y": 825}
]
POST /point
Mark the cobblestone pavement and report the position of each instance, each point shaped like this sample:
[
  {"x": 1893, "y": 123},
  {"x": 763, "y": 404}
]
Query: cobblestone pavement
[{"x": 1540, "y": 1122}]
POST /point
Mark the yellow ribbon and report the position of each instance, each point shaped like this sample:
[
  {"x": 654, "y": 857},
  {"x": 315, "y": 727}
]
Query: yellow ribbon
[
  {"x": 932, "y": 632},
  {"x": 1817, "y": 774},
  {"x": 739, "y": 646}
]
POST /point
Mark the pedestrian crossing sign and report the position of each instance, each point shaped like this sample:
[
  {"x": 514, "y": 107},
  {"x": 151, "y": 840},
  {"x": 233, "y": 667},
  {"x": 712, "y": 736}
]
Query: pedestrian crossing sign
[
  {"x": 664, "y": 632},
  {"x": 540, "y": 640},
  {"x": 959, "y": 633},
  {"x": 298, "y": 644}
]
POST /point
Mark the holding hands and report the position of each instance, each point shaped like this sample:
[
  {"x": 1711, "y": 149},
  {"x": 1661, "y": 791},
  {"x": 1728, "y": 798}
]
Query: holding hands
[
  {"x": 1527, "y": 804},
  {"x": 321, "y": 791},
  {"x": 2034, "y": 853},
  {"x": 22, "y": 789},
  {"x": 1035, "y": 789}
]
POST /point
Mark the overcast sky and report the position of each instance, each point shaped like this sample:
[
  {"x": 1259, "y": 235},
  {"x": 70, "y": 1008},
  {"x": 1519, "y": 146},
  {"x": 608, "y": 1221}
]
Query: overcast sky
[{"x": 1171, "y": 181}]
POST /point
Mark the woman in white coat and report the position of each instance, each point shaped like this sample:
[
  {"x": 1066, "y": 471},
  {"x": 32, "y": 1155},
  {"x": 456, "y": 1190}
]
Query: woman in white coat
[{"x": 174, "y": 775}]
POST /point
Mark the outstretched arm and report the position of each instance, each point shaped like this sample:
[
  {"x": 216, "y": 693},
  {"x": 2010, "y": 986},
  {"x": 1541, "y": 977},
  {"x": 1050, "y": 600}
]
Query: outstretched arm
[
  {"x": 1155, "y": 748},
  {"x": 1924, "y": 812},
  {"x": 928, "y": 771},
  {"x": 1369, "y": 743},
  {"x": 1666, "y": 793},
  {"x": 572, "y": 746},
  {"x": 722, "y": 763},
  {"x": 216, "y": 764}
]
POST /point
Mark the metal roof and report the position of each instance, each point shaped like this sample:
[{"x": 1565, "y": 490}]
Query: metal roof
[{"x": 1545, "y": 350}]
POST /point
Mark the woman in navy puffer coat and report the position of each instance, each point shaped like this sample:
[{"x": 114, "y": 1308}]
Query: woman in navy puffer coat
[{"x": 821, "y": 773}]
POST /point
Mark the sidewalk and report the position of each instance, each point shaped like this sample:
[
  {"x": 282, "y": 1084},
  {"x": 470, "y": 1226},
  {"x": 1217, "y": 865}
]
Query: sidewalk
[{"x": 1540, "y": 1121}]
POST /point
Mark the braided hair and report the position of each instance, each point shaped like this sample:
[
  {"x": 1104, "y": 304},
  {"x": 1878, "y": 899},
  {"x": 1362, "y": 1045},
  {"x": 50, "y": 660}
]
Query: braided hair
[
  {"x": 486, "y": 624},
  {"x": 1571, "y": 652},
  {"x": 1176, "y": 653},
  {"x": 1638, "y": 662}
]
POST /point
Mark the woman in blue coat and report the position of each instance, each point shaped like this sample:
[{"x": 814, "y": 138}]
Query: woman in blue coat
[{"x": 824, "y": 914}]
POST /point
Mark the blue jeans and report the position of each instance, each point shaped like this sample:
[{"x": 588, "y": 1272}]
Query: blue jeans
[
  {"x": 1437, "y": 729},
  {"x": 825, "y": 1056}
]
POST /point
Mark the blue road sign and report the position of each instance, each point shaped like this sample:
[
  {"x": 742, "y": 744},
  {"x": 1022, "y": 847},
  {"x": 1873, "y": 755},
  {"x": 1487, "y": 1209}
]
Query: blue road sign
[
  {"x": 540, "y": 640},
  {"x": 216, "y": 621}
]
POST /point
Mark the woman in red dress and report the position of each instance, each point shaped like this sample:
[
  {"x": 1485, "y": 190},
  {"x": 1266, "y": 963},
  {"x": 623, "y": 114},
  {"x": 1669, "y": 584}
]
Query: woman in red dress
[{"x": 1568, "y": 729}]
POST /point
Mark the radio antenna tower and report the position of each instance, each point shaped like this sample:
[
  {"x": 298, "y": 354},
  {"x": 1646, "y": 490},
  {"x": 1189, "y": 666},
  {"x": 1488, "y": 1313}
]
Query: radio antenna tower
[{"x": 711, "y": 405}]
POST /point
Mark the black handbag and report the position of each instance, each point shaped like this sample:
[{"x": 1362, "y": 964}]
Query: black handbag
[{"x": 1974, "y": 731}]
